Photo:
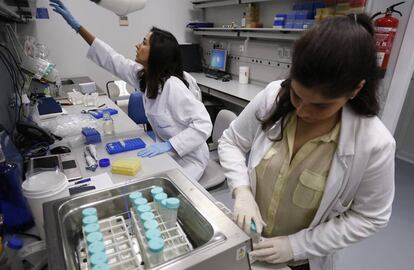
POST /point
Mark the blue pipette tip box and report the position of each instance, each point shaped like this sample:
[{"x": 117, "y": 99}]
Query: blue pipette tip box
[
  {"x": 92, "y": 136},
  {"x": 124, "y": 146}
]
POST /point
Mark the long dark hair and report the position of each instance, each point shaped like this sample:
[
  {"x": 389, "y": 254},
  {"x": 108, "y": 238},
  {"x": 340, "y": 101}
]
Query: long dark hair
[
  {"x": 334, "y": 56},
  {"x": 164, "y": 61}
]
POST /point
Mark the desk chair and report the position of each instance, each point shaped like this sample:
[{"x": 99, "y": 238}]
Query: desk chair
[
  {"x": 214, "y": 174},
  {"x": 136, "y": 112}
]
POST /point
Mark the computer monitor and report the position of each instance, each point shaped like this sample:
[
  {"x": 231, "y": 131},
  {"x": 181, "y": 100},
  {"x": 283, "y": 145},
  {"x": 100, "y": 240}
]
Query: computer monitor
[
  {"x": 191, "y": 57},
  {"x": 218, "y": 59}
]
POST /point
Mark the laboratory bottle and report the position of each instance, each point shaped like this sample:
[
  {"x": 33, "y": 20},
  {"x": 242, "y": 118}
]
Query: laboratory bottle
[
  {"x": 13, "y": 247},
  {"x": 150, "y": 224},
  {"x": 90, "y": 211},
  {"x": 163, "y": 209},
  {"x": 98, "y": 258},
  {"x": 108, "y": 124},
  {"x": 171, "y": 212},
  {"x": 96, "y": 247},
  {"x": 254, "y": 234},
  {"x": 152, "y": 233},
  {"x": 89, "y": 220},
  {"x": 91, "y": 228},
  {"x": 156, "y": 251},
  {"x": 140, "y": 201},
  {"x": 134, "y": 195},
  {"x": 243, "y": 20}
]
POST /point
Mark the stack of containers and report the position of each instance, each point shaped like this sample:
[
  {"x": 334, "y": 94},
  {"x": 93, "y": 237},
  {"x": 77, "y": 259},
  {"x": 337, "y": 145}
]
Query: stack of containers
[
  {"x": 94, "y": 239},
  {"x": 303, "y": 14}
]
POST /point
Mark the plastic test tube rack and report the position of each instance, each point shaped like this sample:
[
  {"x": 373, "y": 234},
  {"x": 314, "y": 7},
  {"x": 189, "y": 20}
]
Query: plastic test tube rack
[
  {"x": 119, "y": 246},
  {"x": 176, "y": 242}
]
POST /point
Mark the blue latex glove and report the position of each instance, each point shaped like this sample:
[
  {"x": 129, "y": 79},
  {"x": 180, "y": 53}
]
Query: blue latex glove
[
  {"x": 155, "y": 149},
  {"x": 60, "y": 8}
]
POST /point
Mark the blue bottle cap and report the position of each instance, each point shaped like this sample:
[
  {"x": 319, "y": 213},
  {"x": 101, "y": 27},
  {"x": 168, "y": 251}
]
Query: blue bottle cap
[
  {"x": 156, "y": 190},
  {"x": 143, "y": 208},
  {"x": 160, "y": 196},
  {"x": 156, "y": 245},
  {"x": 135, "y": 195},
  {"x": 89, "y": 220},
  {"x": 94, "y": 237},
  {"x": 90, "y": 228},
  {"x": 90, "y": 211},
  {"x": 253, "y": 227},
  {"x": 164, "y": 203},
  {"x": 96, "y": 247},
  {"x": 105, "y": 162},
  {"x": 15, "y": 243},
  {"x": 173, "y": 203},
  {"x": 152, "y": 233},
  {"x": 146, "y": 216},
  {"x": 140, "y": 201},
  {"x": 150, "y": 224},
  {"x": 101, "y": 266},
  {"x": 98, "y": 258}
]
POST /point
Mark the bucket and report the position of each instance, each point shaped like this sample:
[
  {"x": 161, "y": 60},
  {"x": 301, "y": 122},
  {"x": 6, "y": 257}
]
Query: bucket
[{"x": 41, "y": 188}]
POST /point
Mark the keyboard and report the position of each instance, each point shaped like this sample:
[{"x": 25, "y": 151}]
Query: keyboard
[{"x": 124, "y": 145}]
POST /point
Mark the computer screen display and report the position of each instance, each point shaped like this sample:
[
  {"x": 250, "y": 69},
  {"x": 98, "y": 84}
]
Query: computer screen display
[{"x": 218, "y": 59}]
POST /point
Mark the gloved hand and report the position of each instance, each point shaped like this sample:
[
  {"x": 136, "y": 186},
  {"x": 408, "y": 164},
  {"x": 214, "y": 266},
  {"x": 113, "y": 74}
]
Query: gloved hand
[
  {"x": 246, "y": 210},
  {"x": 60, "y": 8},
  {"x": 273, "y": 250},
  {"x": 155, "y": 149}
]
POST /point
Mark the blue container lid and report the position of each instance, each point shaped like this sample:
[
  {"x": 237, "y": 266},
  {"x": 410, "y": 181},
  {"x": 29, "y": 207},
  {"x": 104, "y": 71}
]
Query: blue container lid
[
  {"x": 146, "y": 216},
  {"x": 90, "y": 211},
  {"x": 160, "y": 196},
  {"x": 152, "y": 233},
  {"x": 101, "y": 266},
  {"x": 90, "y": 228},
  {"x": 94, "y": 237},
  {"x": 173, "y": 203},
  {"x": 156, "y": 245},
  {"x": 135, "y": 195},
  {"x": 96, "y": 247},
  {"x": 164, "y": 203},
  {"x": 140, "y": 201},
  {"x": 156, "y": 190},
  {"x": 15, "y": 243},
  {"x": 98, "y": 258},
  {"x": 253, "y": 227},
  {"x": 150, "y": 224},
  {"x": 89, "y": 220},
  {"x": 143, "y": 208},
  {"x": 105, "y": 162}
]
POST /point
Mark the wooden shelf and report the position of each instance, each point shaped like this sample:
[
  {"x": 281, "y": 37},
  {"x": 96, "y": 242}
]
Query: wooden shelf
[{"x": 260, "y": 33}]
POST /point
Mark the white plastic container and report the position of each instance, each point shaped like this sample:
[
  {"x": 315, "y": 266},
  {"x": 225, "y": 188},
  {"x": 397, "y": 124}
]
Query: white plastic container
[
  {"x": 156, "y": 251},
  {"x": 157, "y": 200},
  {"x": 170, "y": 216},
  {"x": 41, "y": 188}
]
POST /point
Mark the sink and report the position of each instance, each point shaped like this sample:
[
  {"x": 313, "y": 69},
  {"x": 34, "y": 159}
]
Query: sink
[{"x": 216, "y": 241}]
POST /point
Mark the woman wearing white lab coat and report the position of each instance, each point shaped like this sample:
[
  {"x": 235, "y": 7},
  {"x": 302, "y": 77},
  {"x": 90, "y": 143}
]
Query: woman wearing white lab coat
[
  {"x": 171, "y": 97},
  {"x": 329, "y": 91}
]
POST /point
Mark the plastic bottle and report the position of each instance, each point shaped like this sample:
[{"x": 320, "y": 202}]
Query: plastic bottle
[
  {"x": 94, "y": 237},
  {"x": 134, "y": 195},
  {"x": 243, "y": 20},
  {"x": 91, "y": 228},
  {"x": 90, "y": 211},
  {"x": 98, "y": 259},
  {"x": 153, "y": 233},
  {"x": 156, "y": 190},
  {"x": 89, "y": 220},
  {"x": 156, "y": 251},
  {"x": 12, "y": 250},
  {"x": 171, "y": 212},
  {"x": 140, "y": 201},
  {"x": 96, "y": 247},
  {"x": 108, "y": 124},
  {"x": 150, "y": 224},
  {"x": 157, "y": 200}
]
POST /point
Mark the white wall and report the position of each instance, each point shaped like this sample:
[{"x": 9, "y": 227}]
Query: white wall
[{"x": 68, "y": 50}]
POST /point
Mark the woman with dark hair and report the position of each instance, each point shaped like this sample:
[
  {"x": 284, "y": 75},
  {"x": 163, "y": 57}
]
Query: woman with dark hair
[
  {"x": 320, "y": 169},
  {"x": 171, "y": 97}
]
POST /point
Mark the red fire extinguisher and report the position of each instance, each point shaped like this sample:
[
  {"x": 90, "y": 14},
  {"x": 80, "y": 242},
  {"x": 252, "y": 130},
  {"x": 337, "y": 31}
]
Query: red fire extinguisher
[{"x": 385, "y": 31}]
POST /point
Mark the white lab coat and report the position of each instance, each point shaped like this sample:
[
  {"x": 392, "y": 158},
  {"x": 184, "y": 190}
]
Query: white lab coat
[
  {"x": 176, "y": 115},
  {"x": 359, "y": 189}
]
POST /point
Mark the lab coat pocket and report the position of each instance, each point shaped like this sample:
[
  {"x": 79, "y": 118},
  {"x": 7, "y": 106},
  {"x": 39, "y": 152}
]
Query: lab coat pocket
[
  {"x": 309, "y": 190},
  {"x": 164, "y": 125}
]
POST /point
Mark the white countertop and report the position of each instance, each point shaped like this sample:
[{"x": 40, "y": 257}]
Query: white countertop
[{"x": 233, "y": 88}]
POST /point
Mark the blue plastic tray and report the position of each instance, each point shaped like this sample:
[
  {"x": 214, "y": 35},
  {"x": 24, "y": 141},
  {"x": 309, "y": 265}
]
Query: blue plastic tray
[{"x": 129, "y": 145}]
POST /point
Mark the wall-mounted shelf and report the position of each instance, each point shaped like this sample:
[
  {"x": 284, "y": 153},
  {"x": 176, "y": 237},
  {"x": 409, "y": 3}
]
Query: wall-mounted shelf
[
  {"x": 260, "y": 33},
  {"x": 213, "y": 3}
]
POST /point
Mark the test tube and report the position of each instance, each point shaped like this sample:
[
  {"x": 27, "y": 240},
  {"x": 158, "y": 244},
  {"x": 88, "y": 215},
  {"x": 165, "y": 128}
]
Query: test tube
[
  {"x": 98, "y": 259},
  {"x": 150, "y": 224},
  {"x": 134, "y": 195},
  {"x": 152, "y": 233},
  {"x": 155, "y": 190},
  {"x": 156, "y": 248},
  {"x": 91, "y": 228},
  {"x": 96, "y": 247},
  {"x": 171, "y": 212},
  {"x": 94, "y": 237},
  {"x": 90, "y": 211},
  {"x": 158, "y": 198},
  {"x": 254, "y": 234},
  {"x": 89, "y": 220}
]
